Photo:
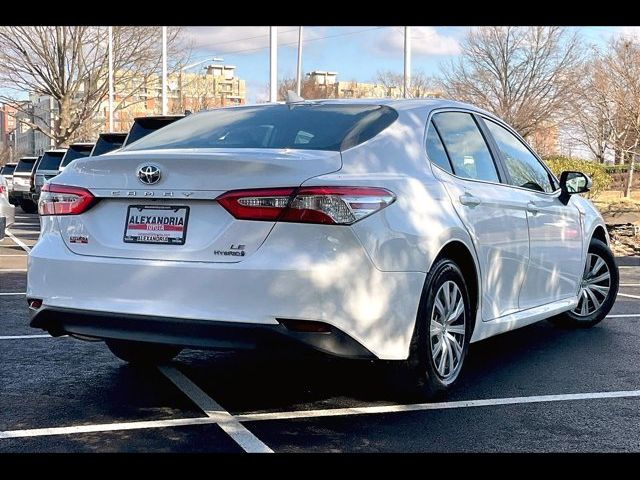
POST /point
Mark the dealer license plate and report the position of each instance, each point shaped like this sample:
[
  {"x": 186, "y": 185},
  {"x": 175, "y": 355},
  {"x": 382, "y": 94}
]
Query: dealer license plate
[{"x": 156, "y": 224}]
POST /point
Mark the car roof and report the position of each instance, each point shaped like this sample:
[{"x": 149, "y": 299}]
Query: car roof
[
  {"x": 11, "y": 164},
  {"x": 81, "y": 144},
  {"x": 56, "y": 150},
  {"x": 27, "y": 158},
  {"x": 159, "y": 117},
  {"x": 399, "y": 104}
]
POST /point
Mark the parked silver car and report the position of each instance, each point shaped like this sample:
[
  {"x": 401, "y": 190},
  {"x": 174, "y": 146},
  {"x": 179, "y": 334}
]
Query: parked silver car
[
  {"x": 7, "y": 173},
  {"x": 7, "y": 211},
  {"x": 22, "y": 184}
]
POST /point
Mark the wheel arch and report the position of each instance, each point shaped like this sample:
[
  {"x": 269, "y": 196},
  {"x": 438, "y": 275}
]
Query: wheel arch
[
  {"x": 600, "y": 233},
  {"x": 459, "y": 252}
]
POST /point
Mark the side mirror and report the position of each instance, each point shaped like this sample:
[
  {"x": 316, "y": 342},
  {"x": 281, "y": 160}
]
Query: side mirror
[{"x": 572, "y": 183}]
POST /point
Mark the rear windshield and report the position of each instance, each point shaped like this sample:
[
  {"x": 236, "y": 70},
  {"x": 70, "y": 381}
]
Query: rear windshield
[
  {"x": 304, "y": 127},
  {"x": 25, "y": 165},
  {"x": 144, "y": 126},
  {"x": 50, "y": 161},
  {"x": 7, "y": 170},
  {"x": 108, "y": 143},
  {"x": 75, "y": 151}
]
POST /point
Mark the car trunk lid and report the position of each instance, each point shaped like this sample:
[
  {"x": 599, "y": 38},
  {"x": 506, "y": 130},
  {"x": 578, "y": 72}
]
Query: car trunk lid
[{"x": 180, "y": 207}]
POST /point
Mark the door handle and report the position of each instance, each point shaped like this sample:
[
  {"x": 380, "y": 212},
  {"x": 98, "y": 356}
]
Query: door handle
[
  {"x": 532, "y": 208},
  {"x": 469, "y": 200}
]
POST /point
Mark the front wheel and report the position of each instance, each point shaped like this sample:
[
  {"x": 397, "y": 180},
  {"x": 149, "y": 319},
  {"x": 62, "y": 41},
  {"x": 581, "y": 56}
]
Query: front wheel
[
  {"x": 443, "y": 329},
  {"x": 141, "y": 352},
  {"x": 598, "y": 289}
]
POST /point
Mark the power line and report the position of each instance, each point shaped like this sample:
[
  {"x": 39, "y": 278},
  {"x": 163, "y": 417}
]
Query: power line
[
  {"x": 254, "y": 36},
  {"x": 256, "y": 49}
]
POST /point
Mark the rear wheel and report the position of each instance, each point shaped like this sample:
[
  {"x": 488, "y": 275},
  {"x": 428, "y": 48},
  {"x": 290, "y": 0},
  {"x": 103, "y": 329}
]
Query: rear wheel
[
  {"x": 142, "y": 352},
  {"x": 443, "y": 329},
  {"x": 598, "y": 289},
  {"x": 28, "y": 206}
]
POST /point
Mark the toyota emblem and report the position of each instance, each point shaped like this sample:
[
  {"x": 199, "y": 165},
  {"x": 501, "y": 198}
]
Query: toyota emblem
[{"x": 149, "y": 174}]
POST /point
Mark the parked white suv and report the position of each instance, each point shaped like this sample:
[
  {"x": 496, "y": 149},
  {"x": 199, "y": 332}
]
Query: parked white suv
[{"x": 378, "y": 229}]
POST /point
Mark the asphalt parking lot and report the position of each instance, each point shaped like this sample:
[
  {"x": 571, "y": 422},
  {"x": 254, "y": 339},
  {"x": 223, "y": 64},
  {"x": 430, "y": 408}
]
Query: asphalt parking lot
[{"x": 537, "y": 389}]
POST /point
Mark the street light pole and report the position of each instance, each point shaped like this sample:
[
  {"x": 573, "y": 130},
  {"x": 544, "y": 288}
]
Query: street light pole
[
  {"x": 299, "y": 69},
  {"x": 407, "y": 61},
  {"x": 164, "y": 71},
  {"x": 111, "y": 79},
  {"x": 273, "y": 64}
]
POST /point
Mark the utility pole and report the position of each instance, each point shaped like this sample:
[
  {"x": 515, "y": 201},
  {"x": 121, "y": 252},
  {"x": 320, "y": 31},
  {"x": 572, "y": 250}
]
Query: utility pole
[
  {"x": 111, "y": 79},
  {"x": 273, "y": 64},
  {"x": 299, "y": 69},
  {"x": 407, "y": 61},
  {"x": 164, "y": 71}
]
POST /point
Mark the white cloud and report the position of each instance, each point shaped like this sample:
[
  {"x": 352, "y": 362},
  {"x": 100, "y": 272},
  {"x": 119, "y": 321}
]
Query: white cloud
[
  {"x": 424, "y": 41},
  {"x": 221, "y": 40}
]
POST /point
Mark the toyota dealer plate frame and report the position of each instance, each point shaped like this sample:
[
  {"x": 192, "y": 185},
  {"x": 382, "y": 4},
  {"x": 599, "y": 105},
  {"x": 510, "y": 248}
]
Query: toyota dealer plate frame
[{"x": 156, "y": 224}]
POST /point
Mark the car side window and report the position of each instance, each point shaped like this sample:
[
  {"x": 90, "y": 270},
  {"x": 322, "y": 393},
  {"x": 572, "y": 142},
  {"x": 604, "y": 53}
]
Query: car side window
[
  {"x": 524, "y": 168},
  {"x": 435, "y": 149},
  {"x": 469, "y": 154}
]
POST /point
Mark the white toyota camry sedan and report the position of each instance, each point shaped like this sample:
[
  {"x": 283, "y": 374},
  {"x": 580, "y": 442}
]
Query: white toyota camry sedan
[{"x": 399, "y": 230}]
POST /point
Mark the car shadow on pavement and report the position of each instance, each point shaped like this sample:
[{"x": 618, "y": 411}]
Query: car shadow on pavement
[{"x": 535, "y": 360}]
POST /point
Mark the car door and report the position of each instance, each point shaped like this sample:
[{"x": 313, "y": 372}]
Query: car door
[
  {"x": 555, "y": 229},
  {"x": 495, "y": 219}
]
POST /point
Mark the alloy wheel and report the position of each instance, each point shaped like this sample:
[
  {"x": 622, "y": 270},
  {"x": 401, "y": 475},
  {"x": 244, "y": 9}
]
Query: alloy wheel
[
  {"x": 447, "y": 330},
  {"x": 594, "y": 287}
]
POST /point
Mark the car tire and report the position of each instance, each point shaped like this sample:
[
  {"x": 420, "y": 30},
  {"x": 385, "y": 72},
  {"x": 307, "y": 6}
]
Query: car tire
[
  {"x": 432, "y": 367},
  {"x": 142, "y": 353},
  {"x": 594, "y": 303},
  {"x": 28, "y": 206}
]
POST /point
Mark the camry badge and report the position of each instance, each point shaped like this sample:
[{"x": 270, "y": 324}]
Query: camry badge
[{"x": 149, "y": 174}]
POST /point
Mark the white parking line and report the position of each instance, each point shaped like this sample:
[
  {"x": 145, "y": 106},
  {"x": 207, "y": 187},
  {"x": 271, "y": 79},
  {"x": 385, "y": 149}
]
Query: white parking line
[
  {"x": 12, "y": 255},
  {"x": 12, "y": 270},
  {"x": 335, "y": 412},
  {"x": 628, "y": 266},
  {"x": 239, "y": 433},
  {"x": 22, "y": 337},
  {"x": 624, "y": 315},
  {"x": 222, "y": 417},
  {"x": 17, "y": 241},
  {"x": 107, "y": 427},
  {"x": 12, "y": 294},
  {"x": 629, "y": 285},
  {"x": 628, "y": 296}
]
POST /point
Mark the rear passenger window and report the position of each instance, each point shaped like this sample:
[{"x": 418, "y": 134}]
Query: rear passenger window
[
  {"x": 435, "y": 149},
  {"x": 468, "y": 152}
]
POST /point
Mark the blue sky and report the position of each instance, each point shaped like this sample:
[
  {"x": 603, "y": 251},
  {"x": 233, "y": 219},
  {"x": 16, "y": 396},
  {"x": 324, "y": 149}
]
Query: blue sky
[{"x": 356, "y": 53}]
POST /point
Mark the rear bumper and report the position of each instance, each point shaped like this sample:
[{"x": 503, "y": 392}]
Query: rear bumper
[
  {"x": 318, "y": 277},
  {"x": 191, "y": 333}
]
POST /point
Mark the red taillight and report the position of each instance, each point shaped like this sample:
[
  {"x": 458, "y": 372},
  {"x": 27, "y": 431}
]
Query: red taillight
[
  {"x": 329, "y": 205},
  {"x": 64, "y": 200},
  {"x": 1, "y": 189}
]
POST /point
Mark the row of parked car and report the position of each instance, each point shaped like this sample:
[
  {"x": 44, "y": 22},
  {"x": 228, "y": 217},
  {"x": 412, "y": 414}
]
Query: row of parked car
[{"x": 21, "y": 182}]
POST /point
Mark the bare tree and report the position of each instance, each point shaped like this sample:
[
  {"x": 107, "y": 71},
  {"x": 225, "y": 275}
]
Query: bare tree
[
  {"x": 5, "y": 155},
  {"x": 309, "y": 89},
  {"x": 587, "y": 121},
  {"x": 620, "y": 67},
  {"x": 70, "y": 64},
  {"x": 420, "y": 85},
  {"x": 525, "y": 75}
]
